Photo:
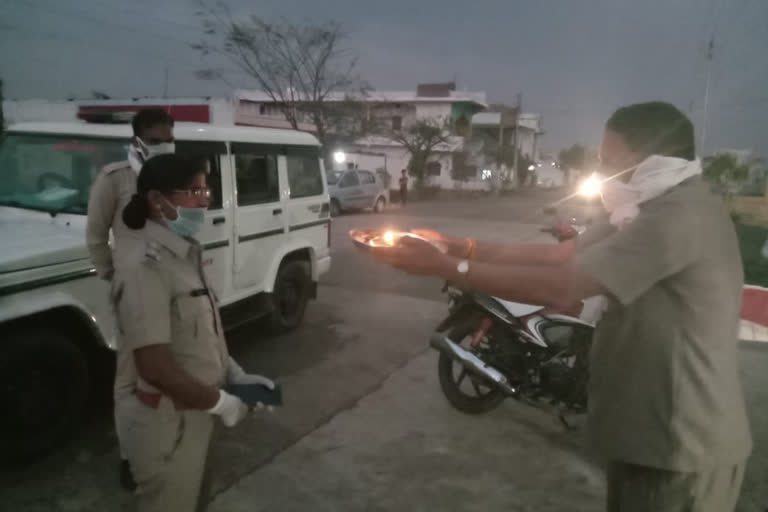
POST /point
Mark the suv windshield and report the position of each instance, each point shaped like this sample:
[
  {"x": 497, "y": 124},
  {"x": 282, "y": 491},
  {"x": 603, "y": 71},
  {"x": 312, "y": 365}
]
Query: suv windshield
[
  {"x": 333, "y": 177},
  {"x": 53, "y": 173}
]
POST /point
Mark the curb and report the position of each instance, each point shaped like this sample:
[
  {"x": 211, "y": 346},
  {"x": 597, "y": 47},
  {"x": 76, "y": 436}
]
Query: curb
[{"x": 754, "y": 314}]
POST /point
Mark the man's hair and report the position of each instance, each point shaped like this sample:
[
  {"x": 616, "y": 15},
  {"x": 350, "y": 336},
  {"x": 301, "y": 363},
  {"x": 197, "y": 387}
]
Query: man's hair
[
  {"x": 149, "y": 117},
  {"x": 655, "y": 128}
]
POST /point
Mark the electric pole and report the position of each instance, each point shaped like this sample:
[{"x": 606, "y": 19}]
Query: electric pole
[
  {"x": 710, "y": 54},
  {"x": 720, "y": 6},
  {"x": 518, "y": 111}
]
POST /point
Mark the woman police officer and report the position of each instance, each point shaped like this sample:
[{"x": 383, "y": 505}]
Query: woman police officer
[{"x": 171, "y": 334}]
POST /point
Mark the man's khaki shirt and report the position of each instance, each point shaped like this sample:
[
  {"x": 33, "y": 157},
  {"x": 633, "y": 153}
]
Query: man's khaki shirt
[
  {"x": 664, "y": 386},
  {"x": 110, "y": 193}
]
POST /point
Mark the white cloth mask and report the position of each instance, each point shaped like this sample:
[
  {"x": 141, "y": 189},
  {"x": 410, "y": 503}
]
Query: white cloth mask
[
  {"x": 653, "y": 177},
  {"x": 139, "y": 153}
]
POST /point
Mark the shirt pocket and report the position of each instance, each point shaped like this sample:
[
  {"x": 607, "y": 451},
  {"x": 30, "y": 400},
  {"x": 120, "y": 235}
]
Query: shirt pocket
[
  {"x": 189, "y": 315},
  {"x": 195, "y": 329}
]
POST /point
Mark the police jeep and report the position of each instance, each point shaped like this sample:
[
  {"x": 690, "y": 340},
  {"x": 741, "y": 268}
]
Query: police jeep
[{"x": 266, "y": 241}]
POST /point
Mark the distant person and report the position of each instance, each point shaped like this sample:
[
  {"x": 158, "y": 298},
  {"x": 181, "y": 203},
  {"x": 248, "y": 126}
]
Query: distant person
[
  {"x": 403, "y": 187},
  {"x": 111, "y": 191},
  {"x": 666, "y": 407},
  {"x": 173, "y": 340}
]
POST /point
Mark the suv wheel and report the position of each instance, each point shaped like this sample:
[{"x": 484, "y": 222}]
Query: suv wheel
[
  {"x": 290, "y": 296},
  {"x": 44, "y": 385},
  {"x": 335, "y": 208},
  {"x": 380, "y": 204}
]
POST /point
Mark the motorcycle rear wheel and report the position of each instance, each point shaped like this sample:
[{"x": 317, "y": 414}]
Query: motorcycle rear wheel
[{"x": 453, "y": 376}]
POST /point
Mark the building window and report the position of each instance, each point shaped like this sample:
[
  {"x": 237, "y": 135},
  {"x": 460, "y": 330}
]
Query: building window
[
  {"x": 397, "y": 123},
  {"x": 262, "y": 109},
  {"x": 434, "y": 169}
]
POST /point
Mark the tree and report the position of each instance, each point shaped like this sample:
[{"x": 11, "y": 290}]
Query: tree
[
  {"x": 726, "y": 172},
  {"x": 299, "y": 66},
  {"x": 420, "y": 140},
  {"x": 576, "y": 157},
  {"x": 524, "y": 164},
  {"x": 99, "y": 95},
  {"x": 573, "y": 157}
]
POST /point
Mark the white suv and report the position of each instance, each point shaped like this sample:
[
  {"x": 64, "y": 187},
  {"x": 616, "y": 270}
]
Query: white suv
[{"x": 266, "y": 240}]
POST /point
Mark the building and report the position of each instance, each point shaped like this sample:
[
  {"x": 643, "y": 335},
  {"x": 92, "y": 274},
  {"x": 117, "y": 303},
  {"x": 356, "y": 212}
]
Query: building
[
  {"x": 385, "y": 111},
  {"x": 495, "y": 135}
]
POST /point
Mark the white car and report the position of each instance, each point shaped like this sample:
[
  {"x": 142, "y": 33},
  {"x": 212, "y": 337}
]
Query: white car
[
  {"x": 266, "y": 240},
  {"x": 355, "y": 189}
]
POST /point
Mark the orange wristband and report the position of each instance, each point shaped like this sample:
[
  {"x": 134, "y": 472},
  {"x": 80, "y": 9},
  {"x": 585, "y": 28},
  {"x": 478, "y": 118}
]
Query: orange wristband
[{"x": 471, "y": 250}]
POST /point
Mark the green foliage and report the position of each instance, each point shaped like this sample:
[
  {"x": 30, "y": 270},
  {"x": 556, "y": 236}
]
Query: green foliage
[
  {"x": 726, "y": 172},
  {"x": 751, "y": 240},
  {"x": 575, "y": 157}
]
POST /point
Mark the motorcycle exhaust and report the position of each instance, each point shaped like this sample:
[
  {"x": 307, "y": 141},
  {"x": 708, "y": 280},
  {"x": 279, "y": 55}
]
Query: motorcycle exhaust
[{"x": 471, "y": 362}]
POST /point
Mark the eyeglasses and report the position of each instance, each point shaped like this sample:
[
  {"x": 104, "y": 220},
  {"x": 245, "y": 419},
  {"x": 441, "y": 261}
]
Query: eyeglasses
[{"x": 195, "y": 192}]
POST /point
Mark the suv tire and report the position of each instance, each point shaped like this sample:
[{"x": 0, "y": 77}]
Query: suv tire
[
  {"x": 290, "y": 295},
  {"x": 44, "y": 383}
]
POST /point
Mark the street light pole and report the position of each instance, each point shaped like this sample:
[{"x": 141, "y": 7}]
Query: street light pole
[
  {"x": 710, "y": 51},
  {"x": 518, "y": 110}
]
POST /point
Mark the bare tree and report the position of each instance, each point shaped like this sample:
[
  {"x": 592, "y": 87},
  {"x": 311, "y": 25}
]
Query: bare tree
[
  {"x": 299, "y": 66},
  {"x": 420, "y": 140}
]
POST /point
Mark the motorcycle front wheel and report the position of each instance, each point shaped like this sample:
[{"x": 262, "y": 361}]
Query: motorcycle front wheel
[{"x": 467, "y": 392}]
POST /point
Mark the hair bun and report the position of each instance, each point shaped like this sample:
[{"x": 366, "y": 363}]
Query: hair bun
[{"x": 136, "y": 212}]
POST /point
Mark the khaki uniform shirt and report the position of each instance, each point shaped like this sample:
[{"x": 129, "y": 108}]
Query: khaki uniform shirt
[
  {"x": 664, "y": 386},
  {"x": 110, "y": 192},
  {"x": 162, "y": 297}
]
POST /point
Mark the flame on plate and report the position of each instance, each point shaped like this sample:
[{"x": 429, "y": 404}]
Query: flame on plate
[{"x": 389, "y": 238}]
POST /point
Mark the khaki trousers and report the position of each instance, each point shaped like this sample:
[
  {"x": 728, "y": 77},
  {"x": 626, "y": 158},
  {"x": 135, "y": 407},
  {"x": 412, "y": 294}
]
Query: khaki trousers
[
  {"x": 167, "y": 450},
  {"x": 633, "y": 488}
]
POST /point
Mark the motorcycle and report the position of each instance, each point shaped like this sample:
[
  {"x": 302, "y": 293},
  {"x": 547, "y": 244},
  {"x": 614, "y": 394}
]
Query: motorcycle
[{"x": 492, "y": 349}]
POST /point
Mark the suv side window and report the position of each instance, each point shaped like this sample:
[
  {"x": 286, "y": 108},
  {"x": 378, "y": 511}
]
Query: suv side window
[
  {"x": 257, "y": 179},
  {"x": 367, "y": 178},
  {"x": 304, "y": 176},
  {"x": 209, "y": 152},
  {"x": 349, "y": 180}
]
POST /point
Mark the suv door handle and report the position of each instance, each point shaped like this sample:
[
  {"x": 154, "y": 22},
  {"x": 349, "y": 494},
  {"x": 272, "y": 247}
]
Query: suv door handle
[
  {"x": 277, "y": 211},
  {"x": 219, "y": 220}
]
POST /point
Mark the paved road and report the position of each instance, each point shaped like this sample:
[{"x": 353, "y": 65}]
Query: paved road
[{"x": 366, "y": 427}]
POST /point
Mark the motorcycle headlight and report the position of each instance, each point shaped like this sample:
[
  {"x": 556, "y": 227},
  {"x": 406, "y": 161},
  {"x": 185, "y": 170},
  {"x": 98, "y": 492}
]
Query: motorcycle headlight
[{"x": 590, "y": 187}]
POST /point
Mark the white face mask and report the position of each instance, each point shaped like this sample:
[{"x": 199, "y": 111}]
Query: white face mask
[
  {"x": 653, "y": 177},
  {"x": 139, "y": 153},
  {"x": 615, "y": 192}
]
